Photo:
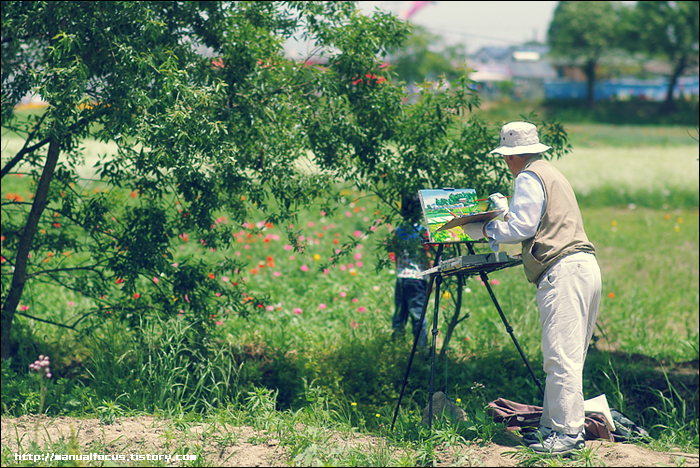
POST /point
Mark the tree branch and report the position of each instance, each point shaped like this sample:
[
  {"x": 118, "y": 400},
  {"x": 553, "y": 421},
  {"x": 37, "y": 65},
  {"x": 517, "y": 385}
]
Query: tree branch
[
  {"x": 20, "y": 155},
  {"x": 54, "y": 270},
  {"x": 70, "y": 327}
]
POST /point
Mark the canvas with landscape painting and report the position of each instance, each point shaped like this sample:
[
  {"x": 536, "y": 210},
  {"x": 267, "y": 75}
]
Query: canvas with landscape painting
[{"x": 445, "y": 210}]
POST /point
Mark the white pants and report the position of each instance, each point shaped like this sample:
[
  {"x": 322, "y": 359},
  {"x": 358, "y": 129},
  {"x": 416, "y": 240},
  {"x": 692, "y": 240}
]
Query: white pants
[{"x": 568, "y": 297}]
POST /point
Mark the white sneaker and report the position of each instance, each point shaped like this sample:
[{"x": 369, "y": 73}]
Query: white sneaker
[{"x": 558, "y": 443}]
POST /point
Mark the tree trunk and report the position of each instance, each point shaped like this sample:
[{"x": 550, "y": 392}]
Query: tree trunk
[
  {"x": 24, "y": 248},
  {"x": 589, "y": 71},
  {"x": 669, "y": 106}
]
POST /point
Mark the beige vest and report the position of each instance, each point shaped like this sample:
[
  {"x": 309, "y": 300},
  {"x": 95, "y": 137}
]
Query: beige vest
[{"x": 560, "y": 232}]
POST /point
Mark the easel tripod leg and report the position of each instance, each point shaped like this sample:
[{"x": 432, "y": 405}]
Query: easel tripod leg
[
  {"x": 433, "y": 348},
  {"x": 509, "y": 329},
  {"x": 417, "y": 336}
]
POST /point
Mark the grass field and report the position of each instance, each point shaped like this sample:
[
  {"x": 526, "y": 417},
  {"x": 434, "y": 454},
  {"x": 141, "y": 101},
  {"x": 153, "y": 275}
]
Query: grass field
[{"x": 323, "y": 345}]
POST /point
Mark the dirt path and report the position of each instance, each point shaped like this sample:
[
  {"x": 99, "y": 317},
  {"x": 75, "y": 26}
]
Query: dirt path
[{"x": 226, "y": 445}]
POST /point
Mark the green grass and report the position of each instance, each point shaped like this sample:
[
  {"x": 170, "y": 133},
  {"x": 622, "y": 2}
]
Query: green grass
[{"x": 325, "y": 344}]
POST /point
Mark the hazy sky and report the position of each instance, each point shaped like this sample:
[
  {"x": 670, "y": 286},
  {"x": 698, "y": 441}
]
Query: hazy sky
[
  {"x": 478, "y": 24},
  {"x": 474, "y": 24}
]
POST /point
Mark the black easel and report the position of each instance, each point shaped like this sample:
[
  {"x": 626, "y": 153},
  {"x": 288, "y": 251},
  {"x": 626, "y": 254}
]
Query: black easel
[{"x": 437, "y": 279}]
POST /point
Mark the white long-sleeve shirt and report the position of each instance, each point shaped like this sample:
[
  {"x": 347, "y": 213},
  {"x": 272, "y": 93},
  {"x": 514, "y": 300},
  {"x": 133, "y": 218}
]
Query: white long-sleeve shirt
[{"x": 525, "y": 212}]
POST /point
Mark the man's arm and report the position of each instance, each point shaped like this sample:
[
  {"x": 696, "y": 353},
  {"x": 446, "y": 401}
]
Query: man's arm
[{"x": 523, "y": 218}]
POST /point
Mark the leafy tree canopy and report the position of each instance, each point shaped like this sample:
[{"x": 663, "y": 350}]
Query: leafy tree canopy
[
  {"x": 583, "y": 32},
  {"x": 239, "y": 131},
  {"x": 665, "y": 29}
]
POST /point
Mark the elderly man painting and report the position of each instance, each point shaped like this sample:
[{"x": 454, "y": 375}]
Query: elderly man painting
[{"x": 559, "y": 259}]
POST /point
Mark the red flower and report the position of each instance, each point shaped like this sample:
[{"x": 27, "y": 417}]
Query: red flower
[
  {"x": 14, "y": 197},
  {"x": 370, "y": 78},
  {"x": 137, "y": 295}
]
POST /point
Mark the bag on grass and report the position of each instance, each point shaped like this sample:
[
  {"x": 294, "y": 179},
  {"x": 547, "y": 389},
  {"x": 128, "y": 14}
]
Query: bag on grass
[
  {"x": 626, "y": 430},
  {"x": 516, "y": 416},
  {"x": 526, "y": 418}
]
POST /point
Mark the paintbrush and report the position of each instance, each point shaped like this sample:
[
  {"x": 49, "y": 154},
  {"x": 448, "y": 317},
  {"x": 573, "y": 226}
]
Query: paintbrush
[{"x": 486, "y": 199}]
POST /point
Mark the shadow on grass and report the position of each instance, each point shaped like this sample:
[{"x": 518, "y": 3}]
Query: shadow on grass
[{"x": 649, "y": 391}]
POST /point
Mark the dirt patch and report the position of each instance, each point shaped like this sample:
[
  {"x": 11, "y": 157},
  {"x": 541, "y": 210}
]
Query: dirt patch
[
  {"x": 226, "y": 445},
  {"x": 140, "y": 438}
]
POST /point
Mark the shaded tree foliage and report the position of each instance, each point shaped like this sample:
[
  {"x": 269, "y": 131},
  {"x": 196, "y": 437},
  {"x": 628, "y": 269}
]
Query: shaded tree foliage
[{"x": 199, "y": 136}]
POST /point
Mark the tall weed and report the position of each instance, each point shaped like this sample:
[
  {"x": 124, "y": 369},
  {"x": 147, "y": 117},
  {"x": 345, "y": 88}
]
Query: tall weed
[{"x": 161, "y": 370}]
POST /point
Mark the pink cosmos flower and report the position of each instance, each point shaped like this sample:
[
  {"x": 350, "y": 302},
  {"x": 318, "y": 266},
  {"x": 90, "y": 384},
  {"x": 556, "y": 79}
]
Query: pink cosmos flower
[
  {"x": 322, "y": 306},
  {"x": 354, "y": 300},
  {"x": 276, "y": 273},
  {"x": 357, "y": 233},
  {"x": 304, "y": 268},
  {"x": 353, "y": 324},
  {"x": 361, "y": 309},
  {"x": 288, "y": 247},
  {"x": 224, "y": 279},
  {"x": 270, "y": 308},
  {"x": 359, "y": 264},
  {"x": 357, "y": 256},
  {"x": 343, "y": 294},
  {"x": 495, "y": 282},
  {"x": 297, "y": 311},
  {"x": 220, "y": 322},
  {"x": 71, "y": 304}
]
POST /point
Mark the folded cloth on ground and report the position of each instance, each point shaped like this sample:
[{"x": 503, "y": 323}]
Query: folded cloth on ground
[{"x": 526, "y": 418}]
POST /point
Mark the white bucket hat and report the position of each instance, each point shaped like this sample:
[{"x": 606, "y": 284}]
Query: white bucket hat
[{"x": 520, "y": 138}]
